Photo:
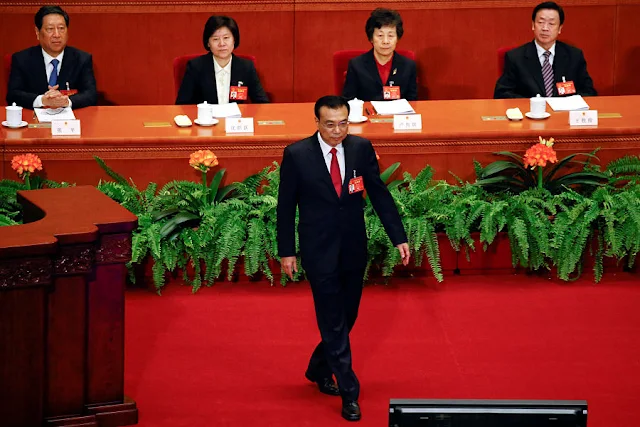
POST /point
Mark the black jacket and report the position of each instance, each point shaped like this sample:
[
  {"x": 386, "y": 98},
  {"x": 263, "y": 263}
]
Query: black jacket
[
  {"x": 199, "y": 81},
  {"x": 363, "y": 80},
  {"x": 331, "y": 229},
  {"x": 522, "y": 75},
  {"x": 28, "y": 78}
]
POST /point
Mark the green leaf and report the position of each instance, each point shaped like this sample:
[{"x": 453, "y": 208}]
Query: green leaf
[
  {"x": 113, "y": 174},
  {"x": 215, "y": 183},
  {"x": 384, "y": 176},
  {"x": 176, "y": 221},
  {"x": 225, "y": 191}
]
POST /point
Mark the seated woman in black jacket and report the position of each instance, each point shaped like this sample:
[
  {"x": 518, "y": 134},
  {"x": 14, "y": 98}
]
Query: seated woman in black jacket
[
  {"x": 211, "y": 77},
  {"x": 370, "y": 73}
]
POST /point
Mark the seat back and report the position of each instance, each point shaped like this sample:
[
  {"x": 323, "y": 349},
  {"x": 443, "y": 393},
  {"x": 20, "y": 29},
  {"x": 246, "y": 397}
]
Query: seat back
[
  {"x": 501, "y": 53},
  {"x": 7, "y": 66},
  {"x": 180, "y": 66},
  {"x": 341, "y": 60}
]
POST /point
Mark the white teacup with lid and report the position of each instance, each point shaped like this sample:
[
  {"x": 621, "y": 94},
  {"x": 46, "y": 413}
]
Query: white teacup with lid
[
  {"x": 537, "y": 106},
  {"x": 356, "y": 108},
  {"x": 205, "y": 113},
  {"x": 14, "y": 115}
]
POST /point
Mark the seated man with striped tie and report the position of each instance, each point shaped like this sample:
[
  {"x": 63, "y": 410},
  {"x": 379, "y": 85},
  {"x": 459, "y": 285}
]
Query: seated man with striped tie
[
  {"x": 52, "y": 74},
  {"x": 544, "y": 65}
]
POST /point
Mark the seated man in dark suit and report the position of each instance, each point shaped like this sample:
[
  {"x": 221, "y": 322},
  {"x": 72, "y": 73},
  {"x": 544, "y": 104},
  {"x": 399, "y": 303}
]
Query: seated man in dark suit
[
  {"x": 212, "y": 76},
  {"x": 52, "y": 74},
  {"x": 538, "y": 66},
  {"x": 369, "y": 74}
]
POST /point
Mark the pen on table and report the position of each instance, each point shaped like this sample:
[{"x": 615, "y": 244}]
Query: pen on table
[{"x": 367, "y": 111}]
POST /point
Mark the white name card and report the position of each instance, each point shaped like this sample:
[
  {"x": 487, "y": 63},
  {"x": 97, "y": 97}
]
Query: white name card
[
  {"x": 407, "y": 122},
  {"x": 238, "y": 125},
  {"x": 583, "y": 118},
  {"x": 65, "y": 127}
]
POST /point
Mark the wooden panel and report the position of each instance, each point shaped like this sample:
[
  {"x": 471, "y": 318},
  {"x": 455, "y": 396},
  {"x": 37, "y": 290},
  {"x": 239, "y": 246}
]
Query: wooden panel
[
  {"x": 66, "y": 343},
  {"x": 453, "y": 135},
  {"x": 134, "y": 43},
  {"x": 22, "y": 325},
  {"x": 457, "y": 54},
  {"x": 627, "y": 49},
  {"x": 51, "y": 336},
  {"x": 134, "y": 52},
  {"x": 105, "y": 346}
]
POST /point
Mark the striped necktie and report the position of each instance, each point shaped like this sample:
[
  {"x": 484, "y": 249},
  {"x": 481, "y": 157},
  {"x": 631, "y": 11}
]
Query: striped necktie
[{"x": 547, "y": 74}]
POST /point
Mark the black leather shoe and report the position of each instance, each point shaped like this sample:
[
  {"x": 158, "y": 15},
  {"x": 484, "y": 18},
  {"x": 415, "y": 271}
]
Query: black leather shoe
[
  {"x": 351, "y": 410},
  {"x": 325, "y": 385}
]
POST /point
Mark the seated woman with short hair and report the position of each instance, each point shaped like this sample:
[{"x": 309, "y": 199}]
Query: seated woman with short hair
[
  {"x": 369, "y": 74},
  {"x": 211, "y": 76}
]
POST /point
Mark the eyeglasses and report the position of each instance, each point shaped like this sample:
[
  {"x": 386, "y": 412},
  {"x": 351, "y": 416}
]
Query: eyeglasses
[
  {"x": 332, "y": 125},
  {"x": 51, "y": 30}
]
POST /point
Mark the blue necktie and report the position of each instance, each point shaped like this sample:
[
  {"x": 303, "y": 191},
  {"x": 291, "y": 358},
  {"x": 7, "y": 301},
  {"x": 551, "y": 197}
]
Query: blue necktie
[{"x": 53, "y": 78}]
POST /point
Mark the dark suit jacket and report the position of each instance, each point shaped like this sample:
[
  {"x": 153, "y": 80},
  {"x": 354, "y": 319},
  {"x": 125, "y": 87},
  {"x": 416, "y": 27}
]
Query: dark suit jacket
[
  {"x": 522, "y": 75},
  {"x": 331, "y": 229},
  {"x": 363, "y": 80},
  {"x": 199, "y": 81},
  {"x": 28, "y": 77}
]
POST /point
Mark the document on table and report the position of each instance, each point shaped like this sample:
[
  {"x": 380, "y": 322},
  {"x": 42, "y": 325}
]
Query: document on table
[
  {"x": 46, "y": 115},
  {"x": 226, "y": 110},
  {"x": 568, "y": 103},
  {"x": 389, "y": 108}
]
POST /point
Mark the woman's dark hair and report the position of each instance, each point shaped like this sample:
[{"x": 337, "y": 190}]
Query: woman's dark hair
[
  {"x": 381, "y": 17},
  {"x": 214, "y": 23},
  {"x": 333, "y": 102},
  {"x": 548, "y": 5},
  {"x": 49, "y": 10}
]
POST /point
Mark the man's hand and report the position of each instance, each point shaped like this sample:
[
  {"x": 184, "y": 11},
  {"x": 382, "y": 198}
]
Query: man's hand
[
  {"x": 289, "y": 264},
  {"x": 404, "y": 252},
  {"x": 53, "y": 98}
]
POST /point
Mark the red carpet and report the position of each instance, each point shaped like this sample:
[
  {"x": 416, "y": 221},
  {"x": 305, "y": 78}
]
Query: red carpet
[{"x": 235, "y": 354}]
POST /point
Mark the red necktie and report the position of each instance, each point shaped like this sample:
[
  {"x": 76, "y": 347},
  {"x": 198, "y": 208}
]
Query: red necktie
[{"x": 335, "y": 172}]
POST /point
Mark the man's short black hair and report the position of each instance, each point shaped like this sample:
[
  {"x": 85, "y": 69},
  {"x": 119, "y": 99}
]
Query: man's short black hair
[
  {"x": 548, "y": 5},
  {"x": 382, "y": 17},
  {"x": 214, "y": 23},
  {"x": 49, "y": 10},
  {"x": 330, "y": 101}
]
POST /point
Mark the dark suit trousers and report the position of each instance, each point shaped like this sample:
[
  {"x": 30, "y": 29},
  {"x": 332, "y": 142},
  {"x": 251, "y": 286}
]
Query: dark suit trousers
[{"x": 337, "y": 299}]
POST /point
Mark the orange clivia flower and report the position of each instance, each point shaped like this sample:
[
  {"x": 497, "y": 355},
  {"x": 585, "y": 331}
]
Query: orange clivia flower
[
  {"x": 26, "y": 163},
  {"x": 203, "y": 160},
  {"x": 540, "y": 154}
]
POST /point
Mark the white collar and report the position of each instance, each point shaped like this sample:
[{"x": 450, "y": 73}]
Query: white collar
[
  {"x": 542, "y": 50},
  {"x": 48, "y": 58},
  {"x": 217, "y": 68},
  {"x": 326, "y": 148}
]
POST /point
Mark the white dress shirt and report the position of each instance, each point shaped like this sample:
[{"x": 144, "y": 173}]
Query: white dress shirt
[
  {"x": 223, "y": 80},
  {"x": 326, "y": 153},
  {"x": 48, "y": 66},
  {"x": 541, "y": 52}
]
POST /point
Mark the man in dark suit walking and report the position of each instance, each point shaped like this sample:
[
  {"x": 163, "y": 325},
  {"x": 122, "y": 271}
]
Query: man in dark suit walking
[
  {"x": 324, "y": 176},
  {"x": 539, "y": 66},
  {"x": 52, "y": 74}
]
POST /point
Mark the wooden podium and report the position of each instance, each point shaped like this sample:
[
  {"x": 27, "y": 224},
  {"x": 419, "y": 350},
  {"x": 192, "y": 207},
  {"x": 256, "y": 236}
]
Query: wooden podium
[{"x": 62, "y": 278}]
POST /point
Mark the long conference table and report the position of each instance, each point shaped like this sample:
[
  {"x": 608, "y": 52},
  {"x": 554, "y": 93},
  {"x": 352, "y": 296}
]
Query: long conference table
[{"x": 144, "y": 144}]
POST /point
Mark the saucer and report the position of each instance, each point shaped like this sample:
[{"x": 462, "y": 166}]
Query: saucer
[
  {"x": 358, "y": 120},
  {"x": 544, "y": 115},
  {"x": 214, "y": 122},
  {"x": 21, "y": 125}
]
